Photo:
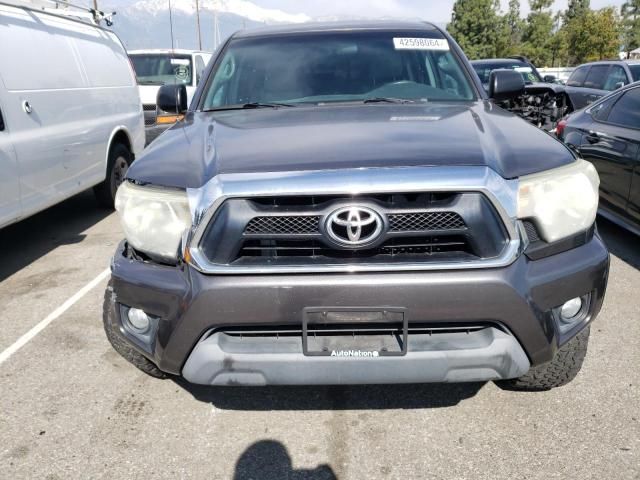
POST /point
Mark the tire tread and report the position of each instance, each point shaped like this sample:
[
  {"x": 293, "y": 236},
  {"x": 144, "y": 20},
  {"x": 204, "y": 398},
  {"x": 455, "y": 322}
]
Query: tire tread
[
  {"x": 120, "y": 345},
  {"x": 558, "y": 372}
]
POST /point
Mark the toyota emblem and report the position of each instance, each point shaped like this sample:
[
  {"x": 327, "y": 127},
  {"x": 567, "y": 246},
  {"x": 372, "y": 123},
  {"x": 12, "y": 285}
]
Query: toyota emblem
[{"x": 354, "y": 226}]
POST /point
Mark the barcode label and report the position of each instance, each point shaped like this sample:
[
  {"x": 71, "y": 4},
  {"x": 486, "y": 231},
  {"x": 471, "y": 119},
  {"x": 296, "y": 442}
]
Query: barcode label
[{"x": 420, "y": 44}]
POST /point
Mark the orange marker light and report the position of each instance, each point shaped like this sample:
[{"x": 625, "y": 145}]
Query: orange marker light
[{"x": 165, "y": 119}]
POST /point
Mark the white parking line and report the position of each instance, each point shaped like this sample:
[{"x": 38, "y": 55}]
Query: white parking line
[{"x": 24, "y": 339}]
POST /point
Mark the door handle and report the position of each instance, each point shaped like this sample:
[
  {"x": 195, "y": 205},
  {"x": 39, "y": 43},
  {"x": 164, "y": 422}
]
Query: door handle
[
  {"x": 26, "y": 106},
  {"x": 593, "y": 137}
]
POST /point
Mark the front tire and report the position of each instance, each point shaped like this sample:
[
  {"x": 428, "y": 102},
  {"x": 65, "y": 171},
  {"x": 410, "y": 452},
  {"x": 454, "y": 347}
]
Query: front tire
[
  {"x": 120, "y": 159},
  {"x": 561, "y": 370}
]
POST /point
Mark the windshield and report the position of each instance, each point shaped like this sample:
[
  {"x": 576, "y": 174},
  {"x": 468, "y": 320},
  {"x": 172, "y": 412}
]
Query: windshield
[
  {"x": 529, "y": 75},
  {"x": 331, "y": 67},
  {"x": 159, "y": 69},
  {"x": 635, "y": 72}
]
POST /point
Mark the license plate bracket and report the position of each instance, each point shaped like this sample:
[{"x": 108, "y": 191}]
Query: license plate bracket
[{"x": 354, "y": 331}]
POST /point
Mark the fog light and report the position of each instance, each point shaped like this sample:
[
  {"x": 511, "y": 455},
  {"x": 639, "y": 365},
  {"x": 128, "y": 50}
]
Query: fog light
[
  {"x": 139, "y": 320},
  {"x": 570, "y": 309}
]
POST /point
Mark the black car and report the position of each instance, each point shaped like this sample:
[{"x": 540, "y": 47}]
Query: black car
[
  {"x": 608, "y": 135},
  {"x": 592, "y": 81},
  {"x": 543, "y": 103},
  {"x": 344, "y": 204}
]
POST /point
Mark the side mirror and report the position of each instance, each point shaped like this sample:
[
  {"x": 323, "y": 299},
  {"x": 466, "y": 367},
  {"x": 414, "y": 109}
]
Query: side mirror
[
  {"x": 619, "y": 85},
  {"x": 505, "y": 84},
  {"x": 550, "y": 78},
  {"x": 172, "y": 98}
]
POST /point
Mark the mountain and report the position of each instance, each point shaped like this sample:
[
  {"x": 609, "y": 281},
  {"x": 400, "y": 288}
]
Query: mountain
[{"x": 145, "y": 24}]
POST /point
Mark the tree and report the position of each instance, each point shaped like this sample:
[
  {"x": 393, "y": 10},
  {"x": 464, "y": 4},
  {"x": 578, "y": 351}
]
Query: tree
[
  {"x": 575, "y": 19},
  {"x": 512, "y": 28},
  {"x": 576, "y": 9},
  {"x": 593, "y": 36},
  {"x": 558, "y": 41},
  {"x": 539, "y": 32},
  {"x": 514, "y": 22},
  {"x": 605, "y": 39},
  {"x": 630, "y": 25},
  {"x": 477, "y": 27}
]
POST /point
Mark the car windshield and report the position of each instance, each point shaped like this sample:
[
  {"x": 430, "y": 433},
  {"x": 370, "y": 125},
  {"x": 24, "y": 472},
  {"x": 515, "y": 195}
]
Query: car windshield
[
  {"x": 160, "y": 69},
  {"x": 635, "y": 72},
  {"x": 529, "y": 75},
  {"x": 322, "y": 68}
]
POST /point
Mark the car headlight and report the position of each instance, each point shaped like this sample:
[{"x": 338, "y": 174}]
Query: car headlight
[
  {"x": 562, "y": 201},
  {"x": 153, "y": 218}
]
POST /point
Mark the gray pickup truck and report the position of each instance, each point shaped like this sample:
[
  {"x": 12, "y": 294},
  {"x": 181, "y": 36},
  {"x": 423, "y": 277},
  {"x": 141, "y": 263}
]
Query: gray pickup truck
[
  {"x": 345, "y": 204},
  {"x": 592, "y": 81}
]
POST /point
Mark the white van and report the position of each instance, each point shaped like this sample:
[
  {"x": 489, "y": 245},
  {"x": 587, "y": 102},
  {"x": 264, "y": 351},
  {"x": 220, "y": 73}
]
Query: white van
[
  {"x": 71, "y": 112},
  {"x": 157, "y": 67}
]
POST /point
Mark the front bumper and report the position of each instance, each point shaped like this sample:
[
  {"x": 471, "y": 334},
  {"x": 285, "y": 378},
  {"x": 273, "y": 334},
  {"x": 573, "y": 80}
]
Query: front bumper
[
  {"x": 489, "y": 354},
  {"x": 519, "y": 298}
]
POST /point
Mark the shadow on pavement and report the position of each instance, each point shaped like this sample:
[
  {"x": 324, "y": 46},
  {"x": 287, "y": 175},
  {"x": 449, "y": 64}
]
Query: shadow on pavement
[
  {"x": 620, "y": 242},
  {"x": 352, "y": 397},
  {"x": 270, "y": 459},
  {"x": 24, "y": 242}
]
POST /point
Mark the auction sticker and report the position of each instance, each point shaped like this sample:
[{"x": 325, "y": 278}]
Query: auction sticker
[{"x": 420, "y": 44}]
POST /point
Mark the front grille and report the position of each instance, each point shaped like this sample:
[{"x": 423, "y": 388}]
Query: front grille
[
  {"x": 425, "y": 221},
  {"x": 531, "y": 230},
  {"x": 406, "y": 246},
  {"x": 310, "y": 224},
  {"x": 150, "y": 113},
  {"x": 285, "y": 225},
  {"x": 417, "y": 228},
  {"x": 352, "y": 329}
]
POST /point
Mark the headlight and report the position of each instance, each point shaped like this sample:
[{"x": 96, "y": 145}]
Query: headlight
[
  {"x": 153, "y": 218},
  {"x": 562, "y": 201}
]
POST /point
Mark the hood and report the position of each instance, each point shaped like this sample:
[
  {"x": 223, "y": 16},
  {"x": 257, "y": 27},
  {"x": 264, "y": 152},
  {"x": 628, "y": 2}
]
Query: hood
[{"x": 340, "y": 137}]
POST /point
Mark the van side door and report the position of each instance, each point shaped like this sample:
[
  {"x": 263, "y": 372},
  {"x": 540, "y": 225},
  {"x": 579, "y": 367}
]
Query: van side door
[
  {"x": 109, "y": 101},
  {"x": 10, "y": 209},
  {"x": 41, "y": 79}
]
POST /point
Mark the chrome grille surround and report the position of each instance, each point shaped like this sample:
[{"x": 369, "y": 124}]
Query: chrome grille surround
[{"x": 205, "y": 201}]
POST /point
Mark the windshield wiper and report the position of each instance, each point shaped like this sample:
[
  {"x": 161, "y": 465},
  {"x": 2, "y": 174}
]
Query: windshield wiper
[
  {"x": 387, "y": 100},
  {"x": 266, "y": 105},
  {"x": 248, "y": 106}
]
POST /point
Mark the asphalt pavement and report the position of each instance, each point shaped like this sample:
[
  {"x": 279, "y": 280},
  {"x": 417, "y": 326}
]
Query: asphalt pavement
[{"x": 70, "y": 407}]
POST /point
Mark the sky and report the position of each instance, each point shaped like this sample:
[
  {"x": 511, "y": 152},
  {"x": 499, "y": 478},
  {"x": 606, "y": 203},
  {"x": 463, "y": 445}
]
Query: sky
[{"x": 435, "y": 11}]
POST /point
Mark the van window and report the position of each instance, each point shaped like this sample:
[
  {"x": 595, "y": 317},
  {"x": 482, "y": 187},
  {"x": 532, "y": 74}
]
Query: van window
[
  {"x": 41, "y": 56},
  {"x": 596, "y": 77},
  {"x": 162, "y": 68},
  {"x": 577, "y": 77},
  {"x": 199, "y": 68}
]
